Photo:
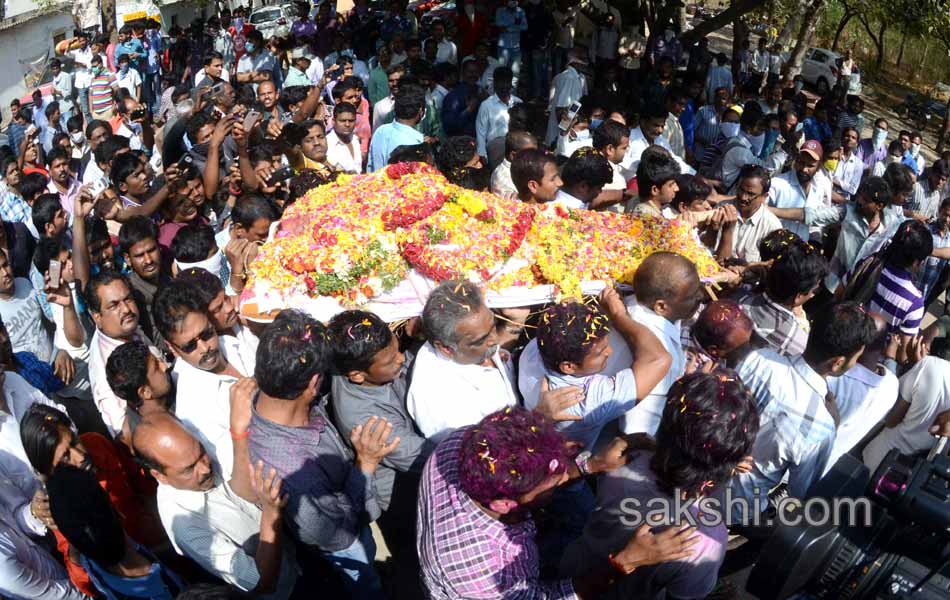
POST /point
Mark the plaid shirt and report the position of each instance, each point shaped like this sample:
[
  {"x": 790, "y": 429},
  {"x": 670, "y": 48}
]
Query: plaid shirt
[
  {"x": 463, "y": 552},
  {"x": 14, "y": 209},
  {"x": 796, "y": 429},
  {"x": 933, "y": 266},
  {"x": 774, "y": 325}
]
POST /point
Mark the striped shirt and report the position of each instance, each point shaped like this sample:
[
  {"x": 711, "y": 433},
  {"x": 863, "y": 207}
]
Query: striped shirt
[
  {"x": 706, "y": 127},
  {"x": 898, "y": 300},
  {"x": 14, "y": 209},
  {"x": 100, "y": 91},
  {"x": 924, "y": 200}
]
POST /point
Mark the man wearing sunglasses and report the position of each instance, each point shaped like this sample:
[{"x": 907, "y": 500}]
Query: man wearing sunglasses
[{"x": 203, "y": 372}]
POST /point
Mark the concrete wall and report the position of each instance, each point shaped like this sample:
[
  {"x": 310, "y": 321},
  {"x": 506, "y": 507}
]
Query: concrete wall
[{"x": 20, "y": 39}]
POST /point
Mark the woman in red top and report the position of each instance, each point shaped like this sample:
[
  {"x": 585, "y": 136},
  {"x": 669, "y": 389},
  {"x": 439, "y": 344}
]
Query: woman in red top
[
  {"x": 29, "y": 161},
  {"x": 49, "y": 440}
]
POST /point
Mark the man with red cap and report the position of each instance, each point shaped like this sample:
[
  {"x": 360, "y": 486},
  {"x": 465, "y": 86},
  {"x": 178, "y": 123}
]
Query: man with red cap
[{"x": 797, "y": 188}]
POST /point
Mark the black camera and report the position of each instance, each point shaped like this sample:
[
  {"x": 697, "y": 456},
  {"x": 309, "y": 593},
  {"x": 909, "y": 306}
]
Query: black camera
[{"x": 890, "y": 540}]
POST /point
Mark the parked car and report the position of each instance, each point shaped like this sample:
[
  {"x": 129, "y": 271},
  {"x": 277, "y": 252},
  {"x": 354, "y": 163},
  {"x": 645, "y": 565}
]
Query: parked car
[
  {"x": 821, "y": 68},
  {"x": 445, "y": 12},
  {"x": 273, "y": 20}
]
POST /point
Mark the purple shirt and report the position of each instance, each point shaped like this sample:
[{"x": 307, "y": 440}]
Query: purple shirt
[
  {"x": 870, "y": 155},
  {"x": 463, "y": 552}
]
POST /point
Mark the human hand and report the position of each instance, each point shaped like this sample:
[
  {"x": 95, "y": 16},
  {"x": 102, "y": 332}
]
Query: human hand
[
  {"x": 64, "y": 367},
  {"x": 614, "y": 456},
  {"x": 369, "y": 441},
  {"x": 745, "y": 465},
  {"x": 553, "y": 404},
  {"x": 647, "y": 548},
  {"x": 611, "y": 303},
  {"x": 239, "y": 136},
  {"x": 234, "y": 252},
  {"x": 267, "y": 490},
  {"x": 59, "y": 293},
  {"x": 172, "y": 173},
  {"x": 274, "y": 128},
  {"x": 39, "y": 508},
  {"x": 241, "y": 397},
  {"x": 83, "y": 204},
  {"x": 221, "y": 130},
  {"x": 941, "y": 425}
]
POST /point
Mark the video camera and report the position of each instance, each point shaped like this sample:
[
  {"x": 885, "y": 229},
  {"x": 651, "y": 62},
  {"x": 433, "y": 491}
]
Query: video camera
[{"x": 894, "y": 545}]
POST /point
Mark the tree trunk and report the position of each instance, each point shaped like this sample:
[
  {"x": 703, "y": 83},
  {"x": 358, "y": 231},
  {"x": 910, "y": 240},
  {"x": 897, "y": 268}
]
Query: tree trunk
[
  {"x": 739, "y": 34},
  {"x": 108, "y": 19},
  {"x": 900, "y": 51},
  {"x": 877, "y": 38},
  {"x": 735, "y": 10},
  {"x": 848, "y": 15},
  {"x": 809, "y": 22},
  {"x": 944, "y": 133},
  {"x": 791, "y": 25}
]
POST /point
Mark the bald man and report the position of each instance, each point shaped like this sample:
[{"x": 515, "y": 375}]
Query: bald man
[
  {"x": 667, "y": 290},
  {"x": 205, "y": 518},
  {"x": 515, "y": 141}
]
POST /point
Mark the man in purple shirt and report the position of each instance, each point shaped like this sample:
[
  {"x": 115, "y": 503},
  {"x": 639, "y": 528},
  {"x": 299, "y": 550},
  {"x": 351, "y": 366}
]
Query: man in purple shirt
[
  {"x": 874, "y": 149},
  {"x": 476, "y": 537}
]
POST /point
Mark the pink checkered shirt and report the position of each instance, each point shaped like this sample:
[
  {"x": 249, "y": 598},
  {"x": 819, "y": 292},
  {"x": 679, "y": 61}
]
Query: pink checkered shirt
[{"x": 464, "y": 553}]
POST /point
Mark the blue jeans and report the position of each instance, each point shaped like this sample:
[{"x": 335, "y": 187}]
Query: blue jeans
[
  {"x": 82, "y": 97},
  {"x": 356, "y": 564},
  {"x": 152, "y": 91},
  {"x": 511, "y": 58}
]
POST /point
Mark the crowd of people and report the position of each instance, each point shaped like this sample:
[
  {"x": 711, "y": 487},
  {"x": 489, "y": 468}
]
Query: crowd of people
[{"x": 496, "y": 450}]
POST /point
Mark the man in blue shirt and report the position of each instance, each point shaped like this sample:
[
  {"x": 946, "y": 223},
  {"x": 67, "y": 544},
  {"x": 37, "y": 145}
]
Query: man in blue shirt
[
  {"x": 151, "y": 86},
  {"x": 460, "y": 106},
  {"x": 409, "y": 110},
  {"x": 511, "y": 21},
  {"x": 131, "y": 46}
]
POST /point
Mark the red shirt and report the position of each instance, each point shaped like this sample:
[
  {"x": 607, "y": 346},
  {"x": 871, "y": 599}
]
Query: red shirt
[
  {"x": 364, "y": 129},
  {"x": 470, "y": 32}
]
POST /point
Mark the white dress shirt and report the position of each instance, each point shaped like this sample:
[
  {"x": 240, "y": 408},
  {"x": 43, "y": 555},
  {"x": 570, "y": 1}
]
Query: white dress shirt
[
  {"x": 111, "y": 407},
  {"x": 639, "y": 143},
  {"x": 382, "y": 111},
  {"x": 220, "y": 531},
  {"x": 568, "y": 87},
  {"x": 501, "y": 183},
  {"x": 848, "y": 173},
  {"x": 445, "y": 52},
  {"x": 645, "y": 416},
  {"x": 749, "y": 232},
  {"x": 568, "y": 201},
  {"x": 243, "y": 346},
  {"x": 492, "y": 120},
  {"x": 863, "y": 398},
  {"x": 200, "y": 76},
  {"x": 445, "y": 395},
  {"x": 796, "y": 431},
  {"x": 346, "y": 157},
  {"x": 927, "y": 388},
  {"x": 787, "y": 192},
  {"x": 203, "y": 405}
]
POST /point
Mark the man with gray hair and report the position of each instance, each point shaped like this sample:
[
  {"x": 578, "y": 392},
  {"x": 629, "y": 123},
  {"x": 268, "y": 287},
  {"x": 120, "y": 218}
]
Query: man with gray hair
[{"x": 459, "y": 375}]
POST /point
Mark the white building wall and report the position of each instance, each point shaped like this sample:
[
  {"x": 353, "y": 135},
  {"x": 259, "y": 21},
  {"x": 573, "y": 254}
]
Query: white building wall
[{"x": 24, "y": 35}]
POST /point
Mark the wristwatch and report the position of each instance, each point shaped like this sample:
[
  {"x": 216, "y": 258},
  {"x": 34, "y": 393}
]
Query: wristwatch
[{"x": 582, "y": 461}]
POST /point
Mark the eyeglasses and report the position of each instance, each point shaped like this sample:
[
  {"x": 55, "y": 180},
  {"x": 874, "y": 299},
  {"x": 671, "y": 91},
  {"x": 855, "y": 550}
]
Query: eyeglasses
[{"x": 204, "y": 336}]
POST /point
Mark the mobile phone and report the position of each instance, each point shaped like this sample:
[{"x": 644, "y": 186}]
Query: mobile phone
[
  {"x": 250, "y": 120},
  {"x": 280, "y": 175},
  {"x": 185, "y": 161},
  {"x": 565, "y": 123},
  {"x": 136, "y": 114},
  {"x": 217, "y": 88},
  {"x": 96, "y": 187},
  {"x": 55, "y": 273}
]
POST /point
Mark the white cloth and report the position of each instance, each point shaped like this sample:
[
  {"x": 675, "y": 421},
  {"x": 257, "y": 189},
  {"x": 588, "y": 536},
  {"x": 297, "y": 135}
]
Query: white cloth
[
  {"x": 220, "y": 531},
  {"x": 20, "y": 395},
  {"x": 129, "y": 81},
  {"x": 645, "y": 416},
  {"x": 445, "y": 52},
  {"x": 445, "y": 395},
  {"x": 243, "y": 346},
  {"x": 382, "y": 111},
  {"x": 863, "y": 398},
  {"x": 927, "y": 388},
  {"x": 566, "y": 146},
  {"x": 203, "y": 405},
  {"x": 639, "y": 143},
  {"x": 568, "y": 201},
  {"x": 492, "y": 120},
  {"x": 848, "y": 172},
  {"x": 568, "y": 87},
  {"x": 111, "y": 407},
  {"x": 339, "y": 153},
  {"x": 787, "y": 192},
  {"x": 82, "y": 75},
  {"x": 501, "y": 183}
]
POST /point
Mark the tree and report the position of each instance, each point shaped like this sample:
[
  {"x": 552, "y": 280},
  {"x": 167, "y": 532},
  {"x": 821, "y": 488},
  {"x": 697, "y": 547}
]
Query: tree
[
  {"x": 736, "y": 9},
  {"x": 810, "y": 16},
  {"x": 845, "y": 19},
  {"x": 108, "y": 19}
]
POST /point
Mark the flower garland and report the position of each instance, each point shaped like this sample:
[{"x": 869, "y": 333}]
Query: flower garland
[{"x": 356, "y": 239}]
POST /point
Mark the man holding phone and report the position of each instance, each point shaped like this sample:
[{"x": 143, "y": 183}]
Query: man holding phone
[{"x": 257, "y": 64}]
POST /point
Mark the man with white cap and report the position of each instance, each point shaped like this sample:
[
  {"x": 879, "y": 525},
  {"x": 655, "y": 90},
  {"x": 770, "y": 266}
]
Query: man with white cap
[{"x": 300, "y": 59}]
